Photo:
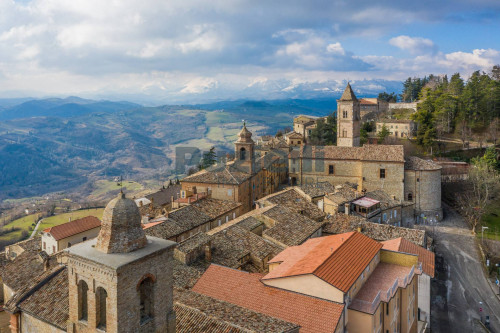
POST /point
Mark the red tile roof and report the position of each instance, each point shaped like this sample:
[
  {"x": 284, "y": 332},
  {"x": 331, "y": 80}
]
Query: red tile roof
[
  {"x": 337, "y": 259},
  {"x": 245, "y": 289},
  {"x": 426, "y": 257},
  {"x": 74, "y": 227}
]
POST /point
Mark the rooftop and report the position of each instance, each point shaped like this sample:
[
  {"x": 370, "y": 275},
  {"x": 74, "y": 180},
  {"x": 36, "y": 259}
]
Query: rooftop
[
  {"x": 366, "y": 202},
  {"x": 74, "y": 227},
  {"x": 387, "y": 153},
  {"x": 215, "y": 207},
  {"x": 338, "y": 259},
  {"x": 381, "y": 286},
  {"x": 294, "y": 201},
  {"x": 245, "y": 290},
  {"x": 426, "y": 257},
  {"x": 25, "y": 268},
  {"x": 415, "y": 163},
  {"x": 218, "y": 174},
  {"x": 348, "y": 94},
  {"x": 318, "y": 189},
  {"x": 87, "y": 250}
]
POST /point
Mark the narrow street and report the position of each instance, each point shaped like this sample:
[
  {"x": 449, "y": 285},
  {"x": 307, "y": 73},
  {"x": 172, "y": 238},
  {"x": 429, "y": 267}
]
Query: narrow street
[{"x": 460, "y": 284}]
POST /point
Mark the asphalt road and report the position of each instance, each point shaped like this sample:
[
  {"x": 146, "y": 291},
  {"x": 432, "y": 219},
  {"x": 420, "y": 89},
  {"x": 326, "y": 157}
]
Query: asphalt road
[{"x": 460, "y": 282}]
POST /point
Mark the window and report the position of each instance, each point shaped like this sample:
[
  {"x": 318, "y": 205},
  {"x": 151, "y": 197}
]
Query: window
[
  {"x": 395, "y": 213},
  {"x": 219, "y": 222},
  {"x": 146, "y": 293},
  {"x": 234, "y": 215},
  {"x": 229, "y": 193},
  {"x": 69, "y": 244},
  {"x": 84, "y": 239},
  {"x": 344, "y": 133},
  {"x": 330, "y": 169},
  {"x": 227, "y": 219},
  {"x": 243, "y": 154},
  {"x": 410, "y": 196},
  {"x": 44, "y": 245},
  {"x": 83, "y": 310},
  {"x": 53, "y": 249},
  {"x": 382, "y": 173},
  {"x": 101, "y": 301},
  {"x": 384, "y": 217},
  {"x": 344, "y": 114},
  {"x": 387, "y": 309},
  {"x": 298, "y": 142}
]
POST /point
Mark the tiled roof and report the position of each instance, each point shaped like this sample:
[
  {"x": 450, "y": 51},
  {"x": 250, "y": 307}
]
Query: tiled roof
[
  {"x": 230, "y": 245},
  {"x": 293, "y": 200},
  {"x": 193, "y": 242},
  {"x": 348, "y": 94},
  {"x": 244, "y": 289},
  {"x": 386, "y": 201},
  {"x": 164, "y": 195},
  {"x": 382, "y": 280},
  {"x": 32, "y": 244},
  {"x": 318, "y": 189},
  {"x": 340, "y": 223},
  {"x": 367, "y": 101},
  {"x": 338, "y": 259},
  {"x": 426, "y": 257},
  {"x": 200, "y": 313},
  {"x": 415, "y": 163},
  {"x": 215, "y": 207},
  {"x": 74, "y": 227},
  {"x": 50, "y": 303},
  {"x": 389, "y": 153},
  {"x": 219, "y": 174},
  {"x": 18, "y": 273},
  {"x": 343, "y": 194},
  {"x": 250, "y": 223},
  {"x": 179, "y": 221},
  {"x": 291, "y": 228}
]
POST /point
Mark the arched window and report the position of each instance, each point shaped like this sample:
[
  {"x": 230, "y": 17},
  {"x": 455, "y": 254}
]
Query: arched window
[
  {"x": 146, "y": 294},
  {"x": 83, "y": 310},
  {"x": 410, "y": 196},
  {"x": 101, "y": 302},
  {"x": 243, "y": 154}
]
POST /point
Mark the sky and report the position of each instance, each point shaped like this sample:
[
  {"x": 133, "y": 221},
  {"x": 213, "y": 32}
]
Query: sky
[{"x": 198, "y": 50}]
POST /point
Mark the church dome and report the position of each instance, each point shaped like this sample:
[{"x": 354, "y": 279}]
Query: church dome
[
  {"x": 121, "y": 229},
  {"x": 245, "y": 135}
]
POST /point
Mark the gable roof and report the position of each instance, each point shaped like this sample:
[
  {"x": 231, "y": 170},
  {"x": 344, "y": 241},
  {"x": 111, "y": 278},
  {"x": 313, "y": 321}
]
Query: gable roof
[
  {"x": 245, "y": 290},
  {"x": 219, "y": 174},
  {"x": 387, "y": 153},
  {"x": 426, "y": 257},
  {"x": 337, "y": 259},
  {"x": 74, "y": 227}
]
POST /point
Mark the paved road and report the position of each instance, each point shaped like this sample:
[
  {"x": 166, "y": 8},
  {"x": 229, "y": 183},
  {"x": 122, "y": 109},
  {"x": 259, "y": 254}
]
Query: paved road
[
  {"x": 460, "y": 283},
  {"x": 36, "y": 227}
]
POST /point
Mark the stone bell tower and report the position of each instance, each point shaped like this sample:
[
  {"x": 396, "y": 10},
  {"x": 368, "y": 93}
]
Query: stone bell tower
[
  {"x": 348, "y": 119},
  {"x": 121, "y": 281},
  {"x": 244, "y": 150}
]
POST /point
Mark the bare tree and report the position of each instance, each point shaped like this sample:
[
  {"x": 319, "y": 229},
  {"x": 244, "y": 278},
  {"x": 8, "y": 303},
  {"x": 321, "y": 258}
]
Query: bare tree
[
  {"x": 493, "y": 131},
  {"x": 465, "y": 132},
  {"x": 480, "y": 189}
]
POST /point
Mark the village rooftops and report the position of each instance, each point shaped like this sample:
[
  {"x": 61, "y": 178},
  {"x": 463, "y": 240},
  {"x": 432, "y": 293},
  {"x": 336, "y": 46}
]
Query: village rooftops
[
  {"x": 215, "y": 207},
  {"x": 294, "y": 201},
  {"x": 200, "y": 313},
  {"x": 327, "y": 258},
  {"x": 366, "y": 202},
  {"x": 340, "y": 223},
  {"x": 426, "y": 257},
  {"x": 317, "y": 190},
  {"x": 74, "y": 227},
  {"x": 382, "y": 153},
  {"x": 245, "y": 290},
  {"x": 381, "y": 286},
  {"x": 219, "y": 174},
  {"x": 416, "y": 163}
]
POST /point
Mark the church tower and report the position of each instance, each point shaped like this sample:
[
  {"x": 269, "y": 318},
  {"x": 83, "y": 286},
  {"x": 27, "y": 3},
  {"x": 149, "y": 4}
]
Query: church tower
[
  {"x": 121, "y": 281},
  {"x": 348, "y": 119},
  {"x": 244, "y": 150}
]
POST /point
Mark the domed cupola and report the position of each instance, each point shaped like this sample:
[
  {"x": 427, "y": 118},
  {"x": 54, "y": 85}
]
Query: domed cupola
[
  {"x": 245, "y": 135},
  {"x": 121, "y": 229}
]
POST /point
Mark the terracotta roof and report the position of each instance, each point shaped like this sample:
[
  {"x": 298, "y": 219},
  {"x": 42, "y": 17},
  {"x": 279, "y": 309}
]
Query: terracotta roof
[
  {"x": 200, "y": 313},
  {"x": 348, "y": 94},
  {"x": 385, "y": 279},
  {"x": 426, "y": 257},
  {"x": 366, "y": 101},
  {"x": 244, "y": 289},
  {"x": 415, "y": 163},
  {"x": 338, "y": 259},
  {"x": 74, "y": 227}
]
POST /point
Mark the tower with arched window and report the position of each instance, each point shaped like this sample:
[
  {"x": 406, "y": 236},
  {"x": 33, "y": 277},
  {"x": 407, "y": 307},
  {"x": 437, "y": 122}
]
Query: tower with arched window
[
  {"x": 121, "y": 281},
  {"x": 244, "y": 150},
  {"x": 348, "y": 119}
]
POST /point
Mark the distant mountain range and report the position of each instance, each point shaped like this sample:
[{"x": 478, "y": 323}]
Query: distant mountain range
[{"x": 57, "y": 144}]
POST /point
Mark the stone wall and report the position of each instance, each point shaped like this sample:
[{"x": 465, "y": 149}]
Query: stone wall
[
  {"x": 30, "y": 324},
  {"x": 392, "y": 184},
  {"x": 425, "y": 188}
]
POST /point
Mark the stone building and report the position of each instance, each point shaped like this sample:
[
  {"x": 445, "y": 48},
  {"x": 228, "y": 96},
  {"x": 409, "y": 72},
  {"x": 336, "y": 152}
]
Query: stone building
[
  {"x": 370, "y": 108},
  {"x": 398, "y": 128},
  {"x": 304, "y": 125}
]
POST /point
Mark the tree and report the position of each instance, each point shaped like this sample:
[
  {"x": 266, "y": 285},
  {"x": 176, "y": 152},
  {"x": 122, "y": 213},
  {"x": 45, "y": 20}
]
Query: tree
[
  {"x": 493, "y": 131},
  {"x": 209, "y": 158},
  {"x": 383, "y": 134},
  {"x": 391, "y": 98},
  {"x": 325, "y": 132},
  {"x": 481, "y": 187}
]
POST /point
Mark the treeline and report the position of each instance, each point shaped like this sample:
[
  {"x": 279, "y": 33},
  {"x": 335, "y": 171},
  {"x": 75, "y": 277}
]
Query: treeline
[{"x": 467, "y": 109}]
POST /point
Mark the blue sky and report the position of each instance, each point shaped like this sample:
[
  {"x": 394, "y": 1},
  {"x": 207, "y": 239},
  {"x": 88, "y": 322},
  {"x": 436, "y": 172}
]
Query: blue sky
[{"x": 193, "y": 50}]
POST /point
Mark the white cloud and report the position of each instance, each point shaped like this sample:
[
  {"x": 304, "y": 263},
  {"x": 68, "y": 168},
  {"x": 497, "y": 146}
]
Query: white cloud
[
  {"x": 335, "y": 48},
  {"x": 415, "y": 45}
]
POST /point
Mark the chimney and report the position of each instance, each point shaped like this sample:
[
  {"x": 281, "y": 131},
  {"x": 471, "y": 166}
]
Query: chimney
[
  {"x": 208, "y": 253},
  {"x": 46, "y": 264},
  {"x": 359, "y": 229},
  {"x": 347, "y": 209}
]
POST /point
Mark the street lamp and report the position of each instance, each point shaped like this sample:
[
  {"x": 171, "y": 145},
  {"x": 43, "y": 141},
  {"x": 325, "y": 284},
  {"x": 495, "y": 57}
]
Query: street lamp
[{"x": 482, "y": 233}]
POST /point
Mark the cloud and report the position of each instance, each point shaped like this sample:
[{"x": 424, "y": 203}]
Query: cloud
[{"x": 415, "y": 45}]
